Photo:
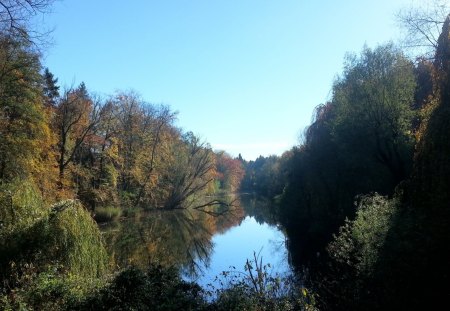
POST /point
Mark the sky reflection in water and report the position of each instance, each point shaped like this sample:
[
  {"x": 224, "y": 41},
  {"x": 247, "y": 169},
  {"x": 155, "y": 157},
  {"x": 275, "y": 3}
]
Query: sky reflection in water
[{"x": 233, "y": 247}]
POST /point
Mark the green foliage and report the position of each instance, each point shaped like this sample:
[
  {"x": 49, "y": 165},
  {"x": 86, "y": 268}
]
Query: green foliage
[
  {"x": 359, "y": 242},
  {"x": 50, "y": 87},
  {"x": 352, "y": 278},
  {"x": 48, "y": 256},
  {"x": 156, "y": 289},
  {"x": 257, "y": 289},
  {"x": 24, "y": 131},
  {"x": 64, "y": 235},
  {"x": 21, "y": 205},
  {"x": 265, "y": 176},
  {"x": 22, "y": 214},
  {"x": 74, "y": 240},
  {"x": 373, "y": 112},
  {"x": 49, "y": 290},
  {"x": 395, "y": 254},
  {"x": 107, "y": 213},
  {"x": 360, "y": 142},
  {"x": 162, "y": 289}
]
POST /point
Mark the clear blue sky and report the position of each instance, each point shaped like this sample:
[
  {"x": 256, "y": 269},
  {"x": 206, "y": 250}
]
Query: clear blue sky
[{"x": 245, "y": 75}]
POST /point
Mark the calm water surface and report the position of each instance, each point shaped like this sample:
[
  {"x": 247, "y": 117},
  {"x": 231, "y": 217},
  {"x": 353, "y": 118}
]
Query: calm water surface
[{"x": 200, "y": 245}]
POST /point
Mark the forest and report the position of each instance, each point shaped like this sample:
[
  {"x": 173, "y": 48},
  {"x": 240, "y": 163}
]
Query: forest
[{"x": 363, "y": 199}]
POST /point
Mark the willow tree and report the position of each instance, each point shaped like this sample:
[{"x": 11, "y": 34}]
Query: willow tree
[{"x": 373, "y": 105}]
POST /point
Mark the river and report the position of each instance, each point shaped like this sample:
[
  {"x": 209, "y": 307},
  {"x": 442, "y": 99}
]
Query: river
[{"x": 200, "y": 245}]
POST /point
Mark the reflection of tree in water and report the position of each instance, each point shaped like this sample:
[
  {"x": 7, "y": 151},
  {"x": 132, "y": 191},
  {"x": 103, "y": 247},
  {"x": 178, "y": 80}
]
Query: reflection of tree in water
[
  {"x": 179, "y": 238},
  {"x": 260, "y": 208},
  {"x": 264, "y": 212}
]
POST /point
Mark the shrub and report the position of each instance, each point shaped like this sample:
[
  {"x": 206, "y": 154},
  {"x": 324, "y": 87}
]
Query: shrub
[
  {"x": 107, "y": 213},
  {"x": 156, "y": 289}
]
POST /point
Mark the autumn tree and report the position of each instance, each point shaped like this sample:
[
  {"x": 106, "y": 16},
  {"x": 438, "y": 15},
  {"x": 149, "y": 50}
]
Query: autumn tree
[
  {"x": 76, "y": 116},
  {"x": 190, "y": 173},
  {"x": 128, "y": 116},
  {"x": 158, "y": 134},
  {"x": 24, "y": 131},
  {"x": 230, "y": 171}
]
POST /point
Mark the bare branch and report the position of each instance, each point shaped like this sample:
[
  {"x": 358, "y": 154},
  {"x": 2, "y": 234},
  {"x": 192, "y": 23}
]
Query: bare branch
[
  {"x": 422, "y": 26},
  {"x": 215, "y": 203},
  {"x": 16, "y": 17}
]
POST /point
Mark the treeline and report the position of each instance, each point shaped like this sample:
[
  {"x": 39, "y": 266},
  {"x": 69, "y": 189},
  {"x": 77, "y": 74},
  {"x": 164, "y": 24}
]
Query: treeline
[
  {"x": 114, "y": 151},
  {"x": 364, "y": 198}
]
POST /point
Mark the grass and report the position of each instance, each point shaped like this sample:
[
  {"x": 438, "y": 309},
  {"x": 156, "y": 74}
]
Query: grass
[{"x": 107, "y": 213}]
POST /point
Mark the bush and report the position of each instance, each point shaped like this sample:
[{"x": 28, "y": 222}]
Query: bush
[
  {"x": 42, "y": 249},
  {"x": 74, "y": 240},
  {"x": 257, "y": 289},
  {"x": 349, "y": 281},
  {"x": 107, "y": 213},
  {"x": 360, "y": 241},
  {"x": 156, "y": 289},
  {"x": 50, "y": 290}
]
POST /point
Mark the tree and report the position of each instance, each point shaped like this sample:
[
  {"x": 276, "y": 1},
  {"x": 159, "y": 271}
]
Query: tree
[
  {"x": 15, "y": 15},
  {"x": 157, "y": 125},
  {"x": 377, "y": 260},
  {"x": 76, "y": 116},
  {"x": 190, "y": 173},
  {"x": 423, "y": 25},
  {"x": 24, "y": 131},
  {"x": 50, "y": 88},
  {"x": 128, "y": 115},
  {"x": 373, "y": 105},
  {"x": 230, "y": 171},
  {"x": 361, "y": 141}
]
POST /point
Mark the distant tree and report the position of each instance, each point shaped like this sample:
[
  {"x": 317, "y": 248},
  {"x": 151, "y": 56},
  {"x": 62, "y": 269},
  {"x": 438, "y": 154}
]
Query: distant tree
[
  {"x": 264, "y": 176},
  {"x": 230, "y": 171}
]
